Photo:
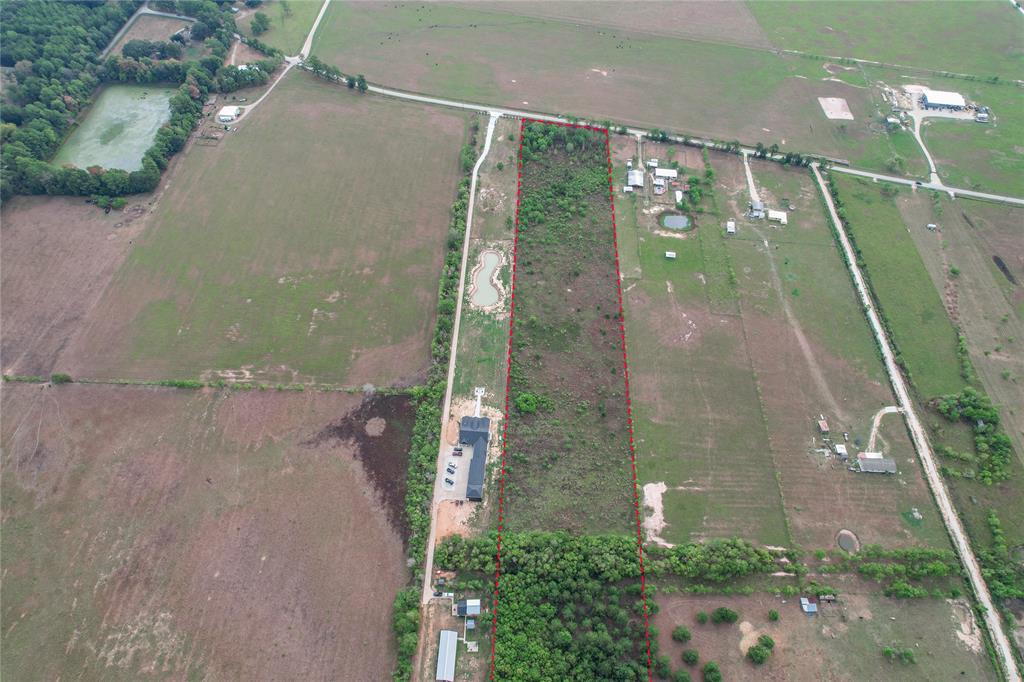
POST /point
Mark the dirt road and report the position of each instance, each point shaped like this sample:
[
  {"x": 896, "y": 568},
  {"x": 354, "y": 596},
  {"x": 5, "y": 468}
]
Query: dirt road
[{"x": 1004, "y": 651}]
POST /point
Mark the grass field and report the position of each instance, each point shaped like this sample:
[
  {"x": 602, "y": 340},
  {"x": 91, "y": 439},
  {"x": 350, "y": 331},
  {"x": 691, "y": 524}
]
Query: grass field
[
  {"x": 150, "y": 27},
  {"x": 923, "y": 334},
  {"x": 288, "y": 29},
  {"x": 586, "y": 69},
  {"x": 737, "y": 346},
  {"x": 299, "y": 248},
  {"x": 169, "y": 534},
  {"x": 568, "y": 435},
  {"x": 985, "y": 304},
  {"x": 843, "y": 642},
  {"x": 980, "y": 38}
]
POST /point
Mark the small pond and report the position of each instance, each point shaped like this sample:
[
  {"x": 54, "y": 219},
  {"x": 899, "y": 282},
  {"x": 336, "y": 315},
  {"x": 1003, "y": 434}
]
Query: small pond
[
  {"x": 119, "y": 127},
  {"x": 675, "y": 221},
  {"x": 484, "y": 293}
]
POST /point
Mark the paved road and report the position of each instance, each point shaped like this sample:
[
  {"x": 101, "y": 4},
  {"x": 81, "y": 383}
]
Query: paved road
[
  {"x": 949, "y": 515},
  {"x": 428, "y": 560}
]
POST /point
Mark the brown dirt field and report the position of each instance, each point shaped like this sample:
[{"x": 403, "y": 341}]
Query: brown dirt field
[
  {"x": 58, "y": 256},
  {"x": 843, "y": 642},
  {"x": 243, "y": 54},
  {"x": 174, "y": 534},
  {"x": 149, "y": 27},
  {"x": 727, "y": 22}
]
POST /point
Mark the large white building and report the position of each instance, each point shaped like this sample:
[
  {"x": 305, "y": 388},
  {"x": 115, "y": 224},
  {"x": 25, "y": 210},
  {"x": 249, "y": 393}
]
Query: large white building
[
  {"x": 228, "y": 114},
  {"x": 666, "y": 173},
  {"x": 942, "y": 99}
]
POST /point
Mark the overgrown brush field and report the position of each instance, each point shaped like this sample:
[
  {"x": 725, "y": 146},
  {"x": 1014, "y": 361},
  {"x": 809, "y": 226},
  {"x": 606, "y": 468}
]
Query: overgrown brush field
[{"x": 568, "y": 456}]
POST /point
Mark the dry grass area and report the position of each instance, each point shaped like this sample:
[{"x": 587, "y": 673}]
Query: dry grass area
[
  {"x": 58, "y": 256},
  {"x": 169, "y": 534},
  {"x": 726, "y": 22},
  {"x": 150, "y": 27},
  {"x": 843, "y": 642}
]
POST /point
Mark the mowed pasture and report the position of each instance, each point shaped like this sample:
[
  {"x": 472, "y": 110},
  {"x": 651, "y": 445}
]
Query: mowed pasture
[
  {"x": 726, "y": 22},
  {"x": 925, "y": 338},
  {"x": 150, "y": 27},
  {"x": 979, "y": 38},
  {"x": 305, "y": 246},
  {"x": 172, "y": 534},
  {"x": 986, "y": 304},
  {"x": 737, "y": 347},
  {"x": 46, "y": 287},
  {"x": 288, "y": 28},
  {"x": 843, "y": 642},
  {"x": 587, "y": 69}
]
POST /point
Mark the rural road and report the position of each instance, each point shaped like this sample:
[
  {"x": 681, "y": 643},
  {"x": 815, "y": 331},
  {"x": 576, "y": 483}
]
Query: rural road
[
  {"x": 1003, "y": 650},
  {"x": 428, "y": 559},
  {"x": 520, "y": 113}
]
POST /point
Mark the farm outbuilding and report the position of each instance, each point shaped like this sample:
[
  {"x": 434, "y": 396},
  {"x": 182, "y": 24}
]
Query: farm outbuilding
[
  {"x": 228, "y": 114},
  {"x": 666, "y": 173},
  {"x": 446, "y": 650},
  {"x": 809, "y": 605},
  {"x": 635, "y": 178},
  {"x": 874, "y": 463},
  {"x": 778, "y": 217},
  {"x": 467, "y": 607},
  {"x": 942, "y": 99},
  {"x": 475, "y": 432},
  {"x": 756, "y": 210}
]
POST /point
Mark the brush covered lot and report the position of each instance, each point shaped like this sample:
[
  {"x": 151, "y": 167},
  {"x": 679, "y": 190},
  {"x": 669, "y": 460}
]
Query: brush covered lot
[
  {"x": 306, "y": 247},
  {"x": 568, "y": 432}
]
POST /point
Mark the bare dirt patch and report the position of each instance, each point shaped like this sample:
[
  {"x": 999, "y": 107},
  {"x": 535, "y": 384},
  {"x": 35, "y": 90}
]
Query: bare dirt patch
[
  {"x": 835, "y": 108},
  {"x": 184, "y": 534}
]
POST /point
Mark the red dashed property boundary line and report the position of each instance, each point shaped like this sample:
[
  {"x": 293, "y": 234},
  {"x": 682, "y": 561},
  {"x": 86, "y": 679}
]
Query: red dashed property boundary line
[{"x": 508, "y": 386}]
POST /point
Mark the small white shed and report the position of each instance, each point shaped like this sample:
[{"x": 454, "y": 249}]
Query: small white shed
[
  {"x": 730, "y": 227},
  {"x": 778, "y": 216}
]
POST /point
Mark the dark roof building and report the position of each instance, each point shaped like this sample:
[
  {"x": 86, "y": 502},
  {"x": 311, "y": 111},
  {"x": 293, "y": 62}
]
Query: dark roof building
[
  {"x": 876, "y": 465},
  {"x": 476, "y": 432}
]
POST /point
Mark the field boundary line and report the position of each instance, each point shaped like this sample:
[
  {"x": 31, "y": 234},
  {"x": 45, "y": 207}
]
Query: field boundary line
[{"x": 508, "y": 386}]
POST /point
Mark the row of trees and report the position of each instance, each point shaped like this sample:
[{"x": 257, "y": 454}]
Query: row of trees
[{"x": 332, "y": 73}]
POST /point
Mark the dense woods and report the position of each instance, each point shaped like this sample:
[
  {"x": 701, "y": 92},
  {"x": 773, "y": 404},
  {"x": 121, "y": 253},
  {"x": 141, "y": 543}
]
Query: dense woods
[{"x": 54, "y": 49}]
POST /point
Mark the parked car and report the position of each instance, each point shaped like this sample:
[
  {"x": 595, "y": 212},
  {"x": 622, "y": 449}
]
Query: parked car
[
  {"x": 449, "y": 481},
  {"x": 451, "y": 470}
]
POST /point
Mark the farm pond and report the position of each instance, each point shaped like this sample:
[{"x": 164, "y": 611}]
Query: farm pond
[
  {"x": 118, "y": 129},
  {"x": 484, "y": 292}
]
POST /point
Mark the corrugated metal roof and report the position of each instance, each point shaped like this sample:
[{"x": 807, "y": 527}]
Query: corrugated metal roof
[
  {"x": 446, "y": 650},
  {"x": 944, "y": 98}
]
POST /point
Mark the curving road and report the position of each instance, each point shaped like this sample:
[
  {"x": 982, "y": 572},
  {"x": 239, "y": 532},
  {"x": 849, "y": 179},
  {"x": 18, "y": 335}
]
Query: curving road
[{"x": 1003, "y": 650}]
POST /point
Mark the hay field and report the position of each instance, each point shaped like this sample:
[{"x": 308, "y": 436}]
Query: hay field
[
  {"x": 591, "y": 70},
  {"x": 924, "y": 337},
  {"x": 304, "y": 246},
  {"x": 170, "y": 534},
  {"x": 988, "y": 307},
  {"x": 980, "y": 38},
  {"x": 736, "y": 348}
]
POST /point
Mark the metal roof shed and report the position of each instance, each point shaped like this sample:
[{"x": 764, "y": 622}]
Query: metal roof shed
[
  {"x": 446, "y": 651},
  {"x": 944, "y": 98},
  {"x": 635, "y": 178},
  {"x": 877, "y": 465},
  {"x": 666, "y": 173}
]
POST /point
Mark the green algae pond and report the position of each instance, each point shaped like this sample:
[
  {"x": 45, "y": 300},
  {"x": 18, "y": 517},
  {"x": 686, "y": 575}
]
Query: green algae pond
[{"x": 118, "y": 129}]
